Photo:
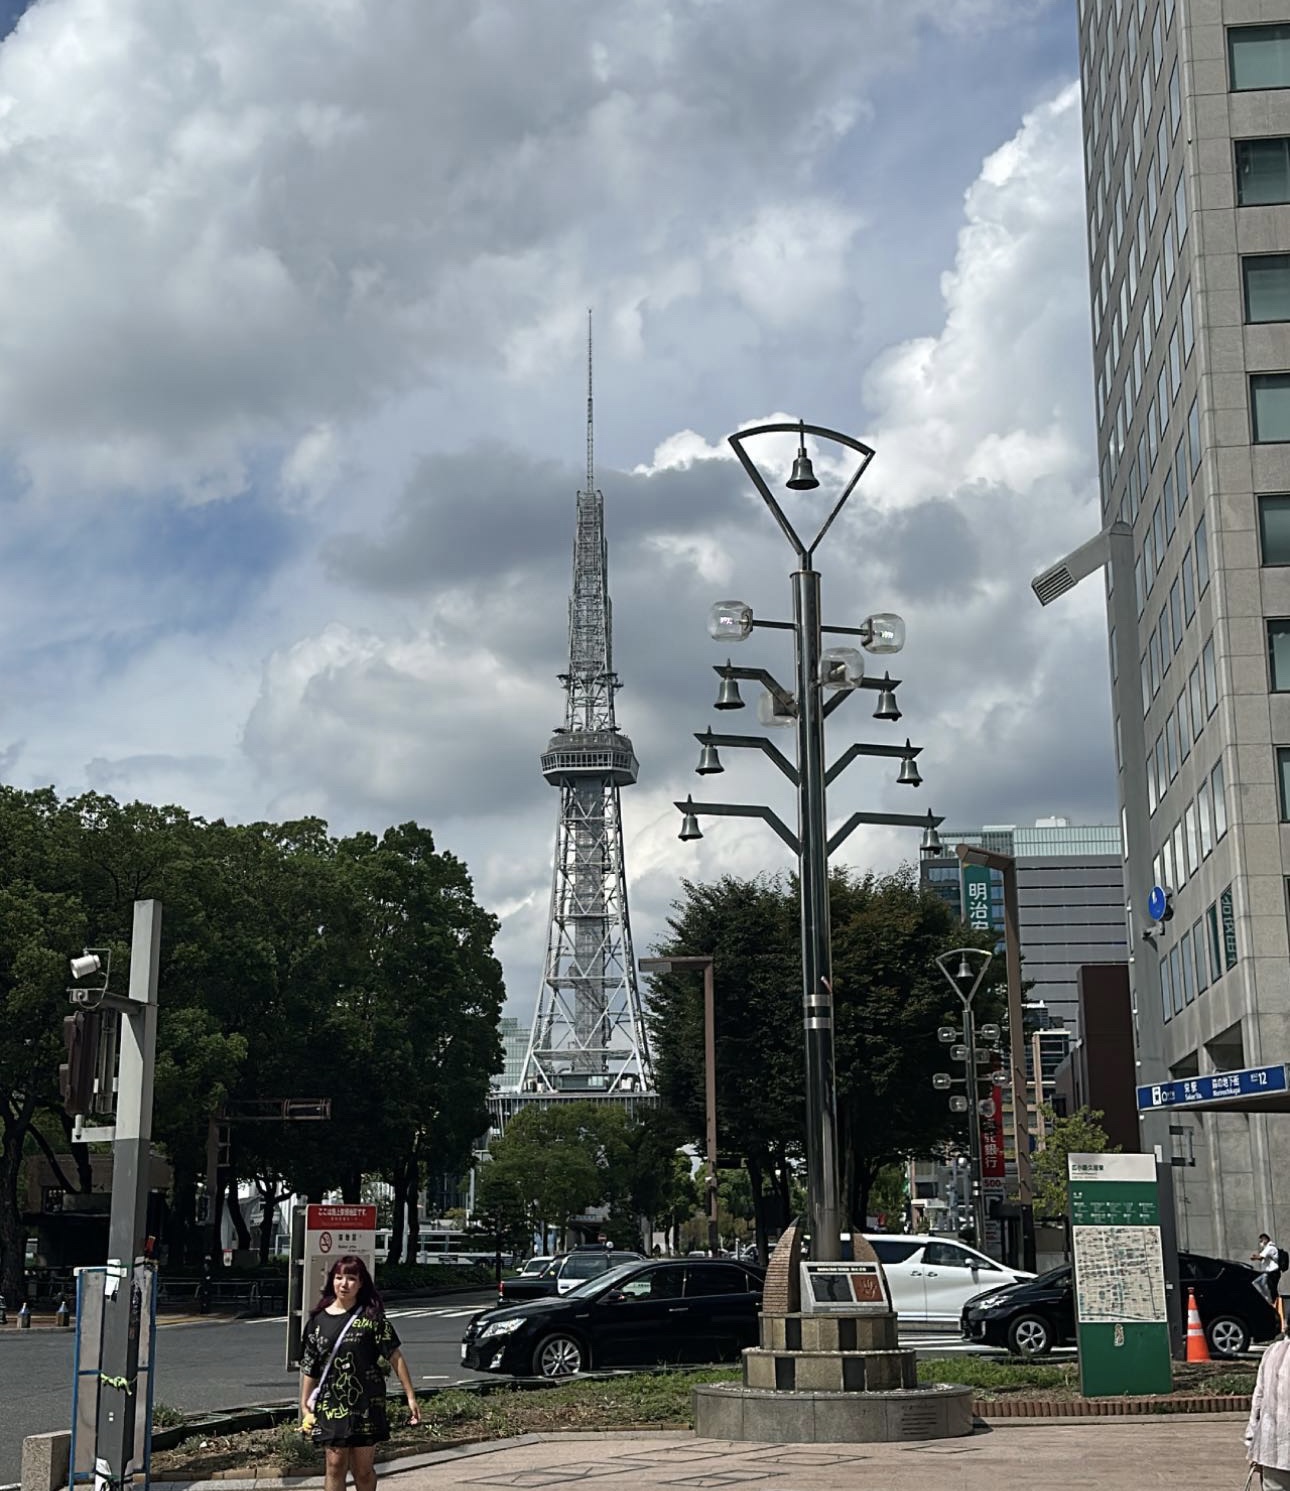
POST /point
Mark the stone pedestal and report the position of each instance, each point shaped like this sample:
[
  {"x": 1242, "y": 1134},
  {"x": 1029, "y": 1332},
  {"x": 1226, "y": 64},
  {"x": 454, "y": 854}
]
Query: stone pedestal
[{"x": 822, "y": 1378}]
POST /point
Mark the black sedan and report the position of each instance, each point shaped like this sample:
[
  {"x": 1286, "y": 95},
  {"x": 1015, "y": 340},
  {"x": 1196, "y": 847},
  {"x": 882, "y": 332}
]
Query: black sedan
[
  {"x": 675, "y": 1310},
  {"x": 1029, "y": 1319}
]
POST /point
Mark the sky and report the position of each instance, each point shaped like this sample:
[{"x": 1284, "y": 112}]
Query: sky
[{"x": 292, "y": 395}]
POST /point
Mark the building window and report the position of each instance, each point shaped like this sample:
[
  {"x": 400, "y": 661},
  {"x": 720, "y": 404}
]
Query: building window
[
  {"x": 1176, "y": 978},
  {"x": 1283, "y": 781},
  {"x": 1171, "y": 746},
  {"x": 1279, "y": 654},
  {"x": 1166, "y": 997},
  {"x": 1153, "y": 651},
  {"x": 1193, "y": 437},
  {"x": 1202, "y": 557},
  {"x": 1197, "y": 705},
  {"x": 1184, "y": 726},
  {"x": 1153, "y": 797},
  {"x": 1180, "y": 470},
  {"x": 1267, "y": 287},
  {"x": 1189, "y": 973},
  {"x": 1176, "y": 612},
  {"x": 1258, "y": 57},
  {"x": 1206, "y": 820},
  {"x": 1162, "y": 774},
  {"x": 1219, "y": 793},
  {"x": 1202, "y": 962},
  {"x": 1189, "y": 587},
  {"x": 1270, "y": 407},
  {"x": 1175, "y": 101},
  {"x": 1180, "y": 211},
  {"x": 1274, "y": 529},
  {"x": 1210, "y": 671},
  {"x": 1262, "y": 171},
  {"x": 1192, "y": 839}
]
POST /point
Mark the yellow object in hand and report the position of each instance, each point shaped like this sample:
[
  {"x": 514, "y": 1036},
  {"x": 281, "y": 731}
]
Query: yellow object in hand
[{"x": 307, "y": 1423}]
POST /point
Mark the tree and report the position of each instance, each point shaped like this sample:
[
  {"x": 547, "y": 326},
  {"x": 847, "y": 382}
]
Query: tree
[
  {"x": 1077, "y": 1133},
  {"x": 889, "y": 998}
]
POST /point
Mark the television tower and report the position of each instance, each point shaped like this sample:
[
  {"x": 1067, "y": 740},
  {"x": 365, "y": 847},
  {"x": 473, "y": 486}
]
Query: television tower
[{"x": 588, "y": 1037}]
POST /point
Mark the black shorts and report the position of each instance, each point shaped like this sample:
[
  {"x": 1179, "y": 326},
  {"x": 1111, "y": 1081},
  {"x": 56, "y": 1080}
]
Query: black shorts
[{"x": 349, "y": 1442}]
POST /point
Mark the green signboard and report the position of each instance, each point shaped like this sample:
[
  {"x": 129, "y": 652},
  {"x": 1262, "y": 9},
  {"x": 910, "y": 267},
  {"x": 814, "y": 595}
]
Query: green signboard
[
  {"x": 974, "y": 888},
  {"x": 1121, "y": 1323}
]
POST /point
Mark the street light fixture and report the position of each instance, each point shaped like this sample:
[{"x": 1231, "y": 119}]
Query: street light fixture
[
  {"x": 965, "y": 981},
  {"x": 672, "y": 965},
  {"x": 841, "y": 671}
]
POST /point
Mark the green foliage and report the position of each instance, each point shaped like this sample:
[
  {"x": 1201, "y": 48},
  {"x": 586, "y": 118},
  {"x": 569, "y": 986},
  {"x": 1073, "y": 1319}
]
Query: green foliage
[
  {"x": 1077, "y": 1133},
  {"x": 293, "y": 964},
  {"x": 995, "y": 1376},
  {"x": 889, "y": 999}
]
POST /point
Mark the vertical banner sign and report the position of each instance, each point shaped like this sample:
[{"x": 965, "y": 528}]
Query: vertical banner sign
[
  {"x": 974, "y": 890},
  {"x": 994, "y": 1186},
  {"x": 1121, "y": 1324},
  {"x": 330, "y": 1233}
]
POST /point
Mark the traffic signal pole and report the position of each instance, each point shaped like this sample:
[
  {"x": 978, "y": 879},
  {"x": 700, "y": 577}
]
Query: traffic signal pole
[{"x": 118, "y": 1400}]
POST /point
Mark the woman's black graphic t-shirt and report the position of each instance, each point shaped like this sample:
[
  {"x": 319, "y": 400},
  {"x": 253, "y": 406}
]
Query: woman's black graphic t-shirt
[{"x": 351, "y": 1405}]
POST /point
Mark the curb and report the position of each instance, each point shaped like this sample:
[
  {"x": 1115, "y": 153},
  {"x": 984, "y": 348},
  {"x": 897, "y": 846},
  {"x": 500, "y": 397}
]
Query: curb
[{"x": 1000, "y": 1409}]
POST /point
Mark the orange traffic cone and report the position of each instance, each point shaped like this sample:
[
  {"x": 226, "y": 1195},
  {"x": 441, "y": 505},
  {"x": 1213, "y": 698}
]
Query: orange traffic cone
[{"x": 1197, "y": 1346}]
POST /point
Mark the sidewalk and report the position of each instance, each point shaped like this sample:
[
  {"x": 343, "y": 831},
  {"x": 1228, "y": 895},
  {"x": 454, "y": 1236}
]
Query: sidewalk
[{"x": 1115, "y": 1455}]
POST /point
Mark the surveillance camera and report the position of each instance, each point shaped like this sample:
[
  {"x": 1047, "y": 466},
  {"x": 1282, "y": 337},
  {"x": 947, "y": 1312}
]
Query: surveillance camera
[{"x": 83, "y": 966}]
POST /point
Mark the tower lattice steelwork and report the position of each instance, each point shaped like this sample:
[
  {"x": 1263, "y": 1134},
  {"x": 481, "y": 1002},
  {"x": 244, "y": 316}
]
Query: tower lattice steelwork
[{"x": 588, "y": 1037}]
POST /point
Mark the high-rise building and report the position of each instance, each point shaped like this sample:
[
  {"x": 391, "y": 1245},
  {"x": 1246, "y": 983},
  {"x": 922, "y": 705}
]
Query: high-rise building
[
  {"x": 1070, "y": 901},
  {"x": 1186, "y": 119},
  {"x": 515, "y": 1045}
]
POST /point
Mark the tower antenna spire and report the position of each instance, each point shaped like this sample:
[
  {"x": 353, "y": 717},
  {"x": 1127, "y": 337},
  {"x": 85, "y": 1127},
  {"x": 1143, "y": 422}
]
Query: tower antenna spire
[{"x": 591, "y": 427}]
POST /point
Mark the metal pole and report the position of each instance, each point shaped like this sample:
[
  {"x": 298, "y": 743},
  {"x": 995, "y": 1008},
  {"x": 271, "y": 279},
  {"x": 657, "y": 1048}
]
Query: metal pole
[
  {"x": 1017, "y": 1058},
  {"x": 1038, "y": 1128},
  {"x": 131, "y": 1147},
  {"x": 823, "y": 1191},
  {"x": 1144, "y": 968},
  {"x": 973, "y": 1089},
  {"x": 710, "y": 1097}
]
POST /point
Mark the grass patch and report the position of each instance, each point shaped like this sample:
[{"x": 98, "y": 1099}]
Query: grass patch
[
  {"x": 646, "y": 1400},
  {"x": 991, "y": 1378}
]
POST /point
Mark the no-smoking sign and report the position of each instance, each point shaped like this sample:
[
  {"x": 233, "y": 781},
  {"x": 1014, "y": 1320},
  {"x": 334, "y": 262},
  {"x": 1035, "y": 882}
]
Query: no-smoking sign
[{"x": 324, "y": 1242}]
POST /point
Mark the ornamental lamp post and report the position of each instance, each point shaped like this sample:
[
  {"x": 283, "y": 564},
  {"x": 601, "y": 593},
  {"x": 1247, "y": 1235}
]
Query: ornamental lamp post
[{"x": 836, "y": 672}]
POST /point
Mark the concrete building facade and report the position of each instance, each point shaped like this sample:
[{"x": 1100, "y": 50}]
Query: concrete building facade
[{"x": 1186, "y": 120}]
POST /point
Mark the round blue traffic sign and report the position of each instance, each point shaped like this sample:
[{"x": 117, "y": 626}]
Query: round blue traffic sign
[{"x": 1158, "y": 903}]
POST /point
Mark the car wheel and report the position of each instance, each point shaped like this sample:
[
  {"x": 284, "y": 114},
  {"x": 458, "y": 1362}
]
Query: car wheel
[
  {"x": 1228, "y": 1336},
  {"x": 1030, "y": 1335},
  {"x": 559, "y": 1356}
]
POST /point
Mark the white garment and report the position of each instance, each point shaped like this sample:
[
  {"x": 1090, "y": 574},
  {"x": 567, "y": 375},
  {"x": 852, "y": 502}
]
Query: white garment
[
  {"x": 1268, "y": 1258},
  {"x": 1267, "y": 1435}
]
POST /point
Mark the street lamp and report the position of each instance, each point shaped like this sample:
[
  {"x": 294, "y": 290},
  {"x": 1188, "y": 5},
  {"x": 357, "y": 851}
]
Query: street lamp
[
  {"x": 671, "y": 965},
  {"x": 839, "y": 672},
  {"x": 1112, "y": 550},
  {"x": 965, "y": 980}
]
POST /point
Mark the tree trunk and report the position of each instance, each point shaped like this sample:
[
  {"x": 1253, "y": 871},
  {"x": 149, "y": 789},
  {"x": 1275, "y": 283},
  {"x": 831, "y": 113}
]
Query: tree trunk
[
  {"x": 236, "y": 1217},
  {"x": 398, "y": 1180},
  {"x": 411, "y": 1177},
  {"x": 760, "y": 1231},
  {"x": 269, "y": 1190},
  {"x": 13, "y": 1234},
  {"x": 351, "y": 1192}
]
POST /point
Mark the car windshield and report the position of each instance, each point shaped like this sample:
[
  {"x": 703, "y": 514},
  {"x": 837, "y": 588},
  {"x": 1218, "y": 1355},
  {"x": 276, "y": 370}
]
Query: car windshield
[
  {"x": 1059, "y": 1275},
  {"x": 605, "y": 1281}
]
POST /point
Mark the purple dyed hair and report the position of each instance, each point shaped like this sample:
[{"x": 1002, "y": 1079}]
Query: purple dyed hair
[{"x": 369, "y": 1299}]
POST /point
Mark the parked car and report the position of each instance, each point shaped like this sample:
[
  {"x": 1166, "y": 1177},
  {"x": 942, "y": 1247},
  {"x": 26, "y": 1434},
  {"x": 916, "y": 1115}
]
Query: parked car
[
  {"x": 635, "y": 1314},
  {"x": 562, "y": 1273},
  {"x": 1030, "y": 1319},
  {"x": 533, "y": 1267},
  {"x": 932, "y": 1278}
]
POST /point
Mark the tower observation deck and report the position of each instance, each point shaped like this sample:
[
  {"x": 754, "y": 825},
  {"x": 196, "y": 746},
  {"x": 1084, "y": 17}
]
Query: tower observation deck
[{"x": 588, "y": 1039}]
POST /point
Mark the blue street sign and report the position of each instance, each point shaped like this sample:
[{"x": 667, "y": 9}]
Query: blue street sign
[
  {"x": 1158, "y": 903},
  {"x": 1256, "y": 1081}
]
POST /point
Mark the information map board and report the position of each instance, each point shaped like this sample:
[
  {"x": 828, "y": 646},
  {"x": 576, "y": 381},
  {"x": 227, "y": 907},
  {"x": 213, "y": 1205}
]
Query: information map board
[{"x": 1122, "y": 1325}]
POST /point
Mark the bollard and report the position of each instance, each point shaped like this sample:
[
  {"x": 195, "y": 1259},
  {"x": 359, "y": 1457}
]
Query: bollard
[
  {"x": 62, "y": 1315},
  {"x": 24, "y": 1316}
]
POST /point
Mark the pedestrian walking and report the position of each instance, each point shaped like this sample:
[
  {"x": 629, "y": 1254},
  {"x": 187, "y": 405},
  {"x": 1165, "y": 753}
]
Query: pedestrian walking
[
  {"x": 1268, "y": 1260},
  {"x": 342, "y": 1382},
  {"x": 1267, "y": 1435}
]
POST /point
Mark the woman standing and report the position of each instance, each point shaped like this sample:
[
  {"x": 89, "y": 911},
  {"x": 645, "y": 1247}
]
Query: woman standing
[
  {"x": 342, "y": 1384},
  {"x": 1267, "y": 1436}
]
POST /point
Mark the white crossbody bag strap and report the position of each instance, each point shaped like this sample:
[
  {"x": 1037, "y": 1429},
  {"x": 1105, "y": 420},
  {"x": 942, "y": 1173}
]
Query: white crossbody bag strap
[{"x": 344, "y": 1331}]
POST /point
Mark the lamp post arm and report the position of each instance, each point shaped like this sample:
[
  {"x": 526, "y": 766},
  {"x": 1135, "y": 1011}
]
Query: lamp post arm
[
  {"x": 783, "y": 697},
  {"x": 896, "y": 820},
  {"x": 742, "y": 810},
  {"x": 860, "y": 749},
  {"x": 753, "y": 742}
]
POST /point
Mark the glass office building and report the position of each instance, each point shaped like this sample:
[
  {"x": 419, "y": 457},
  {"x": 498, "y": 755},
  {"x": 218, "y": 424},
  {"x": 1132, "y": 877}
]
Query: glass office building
[{"x": 1186, "y": 121}]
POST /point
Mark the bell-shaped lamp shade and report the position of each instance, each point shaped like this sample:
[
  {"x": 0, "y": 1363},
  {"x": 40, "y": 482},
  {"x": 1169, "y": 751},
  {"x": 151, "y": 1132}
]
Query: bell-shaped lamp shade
[
  {"x": 841, "y": 668},
  {"x": 886, "y": 632},
  {"x": 964, "y": 974},
  {"x": 709, "y": 759},
  {"x": 730, "y": 621},
  {"x": 909, "y": 773},
  {"x": 803, "y": 478},
  {"x": 689, "y": 823},
  {"x": 886, "y": 708},
  {"x": 728, "y": 695},
  {"x": 931, "y": 839}
]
